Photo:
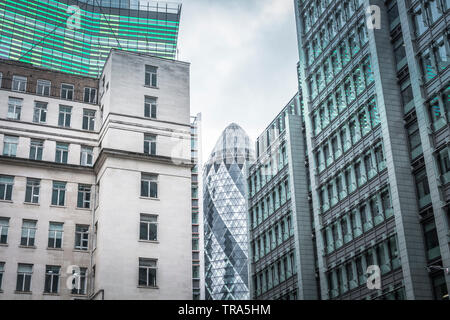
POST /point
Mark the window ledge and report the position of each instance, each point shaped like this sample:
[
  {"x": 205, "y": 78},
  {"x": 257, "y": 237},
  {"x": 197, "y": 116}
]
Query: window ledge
[
  {"x": 149, "y": 198},
  {"x": 80, "y": 250},
  {"x": 27, "y": 247},
  {"x": 55, "y": 206},
  {"x": 22, "y": 292},
  {"x": 151, "y": 87},
  {"x": 50, "y": 294},
  {"x": 31, "y": 204},
  {"x": 82, "y": 209},
  {"x": 7, "y": 201},
  {"x": 4, "y": 245},
  {"x": 78, "y": 295},
  {"x": 149, "y": 241},
  {"x": 148, "y": 287},
  {"x": 55, "y": 249}
]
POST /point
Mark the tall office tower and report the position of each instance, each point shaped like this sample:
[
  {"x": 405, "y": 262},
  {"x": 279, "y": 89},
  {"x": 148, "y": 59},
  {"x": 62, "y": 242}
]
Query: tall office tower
[
  {"x": 376, "y": 104},
  {"x": 96, "y": 174},
  {"x": 75, "y": 36},
  {"x": 198, "y": 265},
  {"x": 282, "y": 254},
  {"x": 225, "y": 216}
]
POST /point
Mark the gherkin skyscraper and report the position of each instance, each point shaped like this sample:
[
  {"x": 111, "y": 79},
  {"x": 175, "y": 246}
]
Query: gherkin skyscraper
[{"x": 225, "y": 218}]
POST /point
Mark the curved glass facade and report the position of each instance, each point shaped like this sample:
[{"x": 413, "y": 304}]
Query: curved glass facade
[
  {"x": 225, "y": 218},
  {"x": 48, "y": 33}
]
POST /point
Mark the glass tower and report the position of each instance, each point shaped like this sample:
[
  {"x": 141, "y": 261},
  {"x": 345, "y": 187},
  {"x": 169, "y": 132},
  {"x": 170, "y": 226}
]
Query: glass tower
[
  {"x": 225, "y": 216},
  {"x": 376, "y": 98},
  {"x": 76, "y": 36}
]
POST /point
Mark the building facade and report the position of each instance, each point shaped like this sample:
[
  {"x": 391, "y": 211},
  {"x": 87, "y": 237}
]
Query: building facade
[
  {"x": 282, "y": 264},
  {"x": 225, "y": 216},
  {"x": 376, "y": 106},
  {"x": 198, "y": 265},
  {"x": 95, "y": 180},
  {"x": 75, "y": 36}
]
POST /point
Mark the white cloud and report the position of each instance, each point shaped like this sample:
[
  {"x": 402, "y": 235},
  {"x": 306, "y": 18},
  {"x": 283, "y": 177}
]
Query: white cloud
[{"x": 243, "y": 56}]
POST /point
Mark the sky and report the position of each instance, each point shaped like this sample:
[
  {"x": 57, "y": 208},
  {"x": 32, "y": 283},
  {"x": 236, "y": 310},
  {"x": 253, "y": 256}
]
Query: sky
[{"x": 243, "y": 56}]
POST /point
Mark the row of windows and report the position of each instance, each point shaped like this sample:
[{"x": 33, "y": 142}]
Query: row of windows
[
  {"x": 52, "y": 279},
  {"x": 340, "y": 14},
  {"x": 365, "y": 216},
  {"x": 435, "y": 58},
  {"x": 44, "y": 88},
  {"x": 275, "y": 198},
  {"x": 340, "y": 55},
  {"x": 146, "y": 278},
  {"x": 33, "y": 188},
  {"x": 275, "y": 130},
  {"x": 354, "y": 176},
  {"x": 148, "y": 231},
  {"x": 267, "y": 170},
  {"x": 273, "y": 275},
  {"x": 353, "y": 273},
  {"x": 279, "y": 232},
  {"x": 359, "y": 124},
  {"x": 11, "y": 143},
  {"x": 427, "y": 12},
  {"x": 352, "y": 86},
  {"x": 40, "y": 114},
  {"x": 55, "y": 234}
]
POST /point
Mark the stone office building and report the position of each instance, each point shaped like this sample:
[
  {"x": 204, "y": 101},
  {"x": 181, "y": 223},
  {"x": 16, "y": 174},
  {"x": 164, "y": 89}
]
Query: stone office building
[{"x": 95, "y": 180}]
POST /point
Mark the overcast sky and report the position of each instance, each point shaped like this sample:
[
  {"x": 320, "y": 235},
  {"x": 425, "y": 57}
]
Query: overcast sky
[{"x": 243, "y": 56}]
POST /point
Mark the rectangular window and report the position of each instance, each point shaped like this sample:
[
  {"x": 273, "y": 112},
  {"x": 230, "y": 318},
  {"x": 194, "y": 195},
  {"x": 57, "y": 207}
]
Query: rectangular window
[
  {"x": 151, "y": 76},
  {"x": 6, "y": 187},
  {"x": 428, "y": 68},
  {"x": 147, "y": 272},
  {"x": 419, "y": 21},
  {"x": 67, "y": 91},
  {"x": 40, "y": 112},
  {"x": 90, "y": 95},
  {"x": 150, "y": 144},
  {"x": 58, "y": 193},
  {"x": 407, "y": 96},
  {"x": 81, "y": 237},
  {"x": 24, "y": 272},
  {"x": 4, "y": 226},
  {"x": 62, "y": 152},
  {"x": 14, "y": 108},
  {"x": 431, "y": 241},
  {"x": 149, "y": 185},
  {"x": 423, "y": 189},
  {"x": 28, "y": 233},
  {"x": 80, "y": 282},
  {"x": 88, "y": 119},
  {"x": 441, "y": 56},
  {"x": 148, "y": 227},
  {"x": 10, "y": 146},
  {"x": 36, "y": 149},
  {"x": 84, "y": 196},
  {"x": 65, "y": 114},
  {"x": 32, "y": 190},
  {"x": 43, "y": 87},
  {"x": 87, "y": 156},
  {"x": 52, "y": 274},
  {"x": 19, "y": 84},
  {"x": 55, "y": 235},
  {"x": 150, "y": 107}
]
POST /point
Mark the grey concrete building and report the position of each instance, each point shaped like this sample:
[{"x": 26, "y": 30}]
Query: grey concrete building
[
  {"x": 95, "y": 179},
  {"x": 374, "y": 76},
  {"x": 282, "y": 264}
]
